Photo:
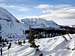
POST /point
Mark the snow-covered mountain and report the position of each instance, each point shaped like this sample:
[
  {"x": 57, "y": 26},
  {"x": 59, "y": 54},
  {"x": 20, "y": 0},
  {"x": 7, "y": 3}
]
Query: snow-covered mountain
[
  {"x": 9, "y": 25},
  {"x": 39, "y": 22}
]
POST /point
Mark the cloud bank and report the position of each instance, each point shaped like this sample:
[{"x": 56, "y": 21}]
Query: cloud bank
[
  {"x": 57, "y": 11},
  {"x": 62, "y": 14}
]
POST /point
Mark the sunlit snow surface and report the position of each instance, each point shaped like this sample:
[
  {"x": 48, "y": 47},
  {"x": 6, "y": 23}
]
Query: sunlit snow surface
[{"x": 56, "y": 46}]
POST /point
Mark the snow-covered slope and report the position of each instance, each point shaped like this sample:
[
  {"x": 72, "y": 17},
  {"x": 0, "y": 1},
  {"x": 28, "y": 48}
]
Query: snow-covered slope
[
  {"x": 39, "y": 22},
  {"x": 5, "y": 15},
  {"x": 56, "y": 46},
  {"x": 9, "y": 24}
]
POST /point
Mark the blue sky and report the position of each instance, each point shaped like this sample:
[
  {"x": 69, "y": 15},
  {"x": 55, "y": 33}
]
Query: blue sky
[{"x": 50, "y": 9}]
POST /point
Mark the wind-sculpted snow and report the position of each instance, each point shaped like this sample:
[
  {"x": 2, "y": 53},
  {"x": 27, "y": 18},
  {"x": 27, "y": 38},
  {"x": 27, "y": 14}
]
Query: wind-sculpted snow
[{"x": 56, "y": 46}]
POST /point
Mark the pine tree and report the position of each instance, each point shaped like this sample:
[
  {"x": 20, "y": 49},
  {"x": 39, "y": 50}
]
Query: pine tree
[
  {"x": 41, "y": 54},
  {"x": 19, "y": 42},
  {"x": 24, "y": 41}
]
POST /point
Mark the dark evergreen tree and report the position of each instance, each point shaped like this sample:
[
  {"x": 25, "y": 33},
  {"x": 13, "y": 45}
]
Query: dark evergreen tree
[
  {"x": 1, "y": 51},
  {"x": 41, "y": 54},
  {"x": 19, "y": 42},
  {"x": 24, "y": 41},
  {"x": 0, "y": 27},
  {"x": 9, "y": 46},
  {"x": 0, "y": 39}
]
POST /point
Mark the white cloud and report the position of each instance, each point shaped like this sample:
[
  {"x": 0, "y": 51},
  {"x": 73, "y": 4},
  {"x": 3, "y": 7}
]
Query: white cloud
[
  {"x": 62, "y": 14},
  {"x": 43, "y": 6},
  {"x": 57, "y": 11}
]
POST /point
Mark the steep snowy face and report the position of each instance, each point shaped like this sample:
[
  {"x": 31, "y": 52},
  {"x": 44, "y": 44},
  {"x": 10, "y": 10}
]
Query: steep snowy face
[
  {"x": 5, "y": 15},
  {"x": 34, "y": 22},
  {"x": 9, "y": 25}
]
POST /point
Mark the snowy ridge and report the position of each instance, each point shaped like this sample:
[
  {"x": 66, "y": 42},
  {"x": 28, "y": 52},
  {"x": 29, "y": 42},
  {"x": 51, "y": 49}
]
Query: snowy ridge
[
  {"x": 9, "y": 24},
  {"x": 39, "y": 22},
  {"x": 5, "y": 15}
]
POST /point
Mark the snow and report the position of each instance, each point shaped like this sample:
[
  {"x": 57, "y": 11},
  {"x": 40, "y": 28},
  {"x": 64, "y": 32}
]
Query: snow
[
  {"x": 56, "y": 46},
  {"x": 9, "y": 24},
  {"x": 39, "y": 23}
]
